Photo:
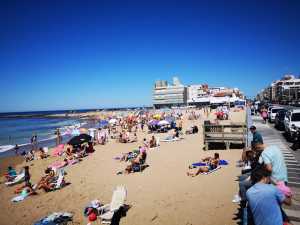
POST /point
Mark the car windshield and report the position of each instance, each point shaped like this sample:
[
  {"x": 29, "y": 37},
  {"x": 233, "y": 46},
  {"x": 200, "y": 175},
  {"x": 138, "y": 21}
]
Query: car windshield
[
  {"x": 295, "y": 117},
  {"x": 276, "y": 110}
]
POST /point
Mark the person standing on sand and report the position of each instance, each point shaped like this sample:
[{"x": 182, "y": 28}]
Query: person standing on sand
[
  {"x": 16, "y": 148},
  {"x": 142, "y": 125},
  {"x": 34, "y": 141},
  {"x": 58, "y": 137},
  {"x": 180, "y": 124}
]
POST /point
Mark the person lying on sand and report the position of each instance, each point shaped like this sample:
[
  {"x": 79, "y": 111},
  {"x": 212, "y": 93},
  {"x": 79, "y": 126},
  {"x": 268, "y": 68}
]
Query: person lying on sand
[
  {"x": 212, "y": 163},
  {"x": 27, "y": 188}
]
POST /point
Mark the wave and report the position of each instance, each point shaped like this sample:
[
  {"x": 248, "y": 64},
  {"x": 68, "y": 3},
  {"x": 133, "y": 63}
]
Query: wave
[
  {"x": 65, "y": 131},
  {"x": 5, "y": 148}
]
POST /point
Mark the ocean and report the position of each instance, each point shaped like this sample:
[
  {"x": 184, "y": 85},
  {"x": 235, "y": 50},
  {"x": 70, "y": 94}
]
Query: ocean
[
  {"x": 18, "y": 128},
  {"x": 15, "y": 129}
]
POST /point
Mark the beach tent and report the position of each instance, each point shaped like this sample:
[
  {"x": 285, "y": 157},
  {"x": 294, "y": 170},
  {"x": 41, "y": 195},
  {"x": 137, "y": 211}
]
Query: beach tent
[{"x": 78, "y": 140}]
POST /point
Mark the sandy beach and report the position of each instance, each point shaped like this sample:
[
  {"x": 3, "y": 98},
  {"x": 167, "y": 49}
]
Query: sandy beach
[{"x": 161, "y": 194}]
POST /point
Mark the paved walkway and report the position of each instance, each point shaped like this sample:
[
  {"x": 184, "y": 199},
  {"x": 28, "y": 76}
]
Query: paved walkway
[{"x": 273, "y": 137}]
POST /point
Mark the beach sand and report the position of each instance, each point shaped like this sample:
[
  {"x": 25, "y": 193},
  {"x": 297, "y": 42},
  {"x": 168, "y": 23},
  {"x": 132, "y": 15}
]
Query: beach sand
[{"x": 161, "y": 194}]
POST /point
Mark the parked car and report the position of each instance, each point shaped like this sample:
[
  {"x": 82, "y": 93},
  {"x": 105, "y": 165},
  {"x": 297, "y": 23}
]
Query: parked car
[
  {"x": 273, "y": 112},
  {"x": 291, "y": 121},
  {"x": 269, "y": 110},
  {"x": 279, "y": 119}
]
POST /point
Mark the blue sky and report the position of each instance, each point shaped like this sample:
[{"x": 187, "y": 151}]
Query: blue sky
[{"x": 89, "y": 54}]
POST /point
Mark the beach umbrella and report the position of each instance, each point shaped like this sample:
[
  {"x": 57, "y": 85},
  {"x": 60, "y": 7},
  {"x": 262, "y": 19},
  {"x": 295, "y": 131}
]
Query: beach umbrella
[
  {"x": 78, "y": 140},
  {"x": 112, "y": 121},
  {"x": 103, "y": 123},
  {"x": 163, "y": 122},
  {"x": 153, "y": 122},
  {"x": 170, "y": 119},
  {"x": 157, "y": 116}
]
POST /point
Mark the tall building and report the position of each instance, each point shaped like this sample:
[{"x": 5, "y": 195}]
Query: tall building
[
  {"x": 283, "y": 91},
  {"x": 198, "y": 94},
  {"x": 176, "y": 94},
  {"x": 166, "y": 95}
]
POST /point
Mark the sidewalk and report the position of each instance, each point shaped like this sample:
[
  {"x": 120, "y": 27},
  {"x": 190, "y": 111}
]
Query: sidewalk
[{"x": 274, "y": 137}]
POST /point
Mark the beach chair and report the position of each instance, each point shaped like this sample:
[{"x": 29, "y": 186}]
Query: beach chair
[
  {"x": 18, "y": 179},
  {"x": 118, "y": 199},
  {"x": 60, "y": 182}
]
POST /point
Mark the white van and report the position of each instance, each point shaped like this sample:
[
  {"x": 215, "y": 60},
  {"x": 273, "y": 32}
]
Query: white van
[
  {"x": 292, "y": 121},
  {"x": 273, "y": 112}
]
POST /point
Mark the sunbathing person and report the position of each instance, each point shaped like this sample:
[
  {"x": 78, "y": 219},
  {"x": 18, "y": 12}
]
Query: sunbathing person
[
  {"x": 152, "y": 143},
  {"x": 11, "y": 174},
  {"x": 135, "y": 138},
  {"x": 90, "y": 148},
  {"x": 216, "y": 157},
  {"x": 29, "y": 156},
  {"x": 138, "y": 161},
  {"x": 130, "y": 155},
  {"x": 42, "y": 154},
  {"x": 47, "y": 182},
  {"x": 27, "y": 188},
  {"x": 212, "y": 163}
]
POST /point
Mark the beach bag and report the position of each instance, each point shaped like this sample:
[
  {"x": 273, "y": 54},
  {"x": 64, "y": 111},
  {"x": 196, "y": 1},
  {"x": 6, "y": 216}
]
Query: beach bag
[{"x": 136, "y": 168}]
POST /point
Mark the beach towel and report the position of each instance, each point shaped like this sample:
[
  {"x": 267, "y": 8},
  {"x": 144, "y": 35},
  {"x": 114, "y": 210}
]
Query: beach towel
[
  {"x": 222, "y": 162},
  {"x": 20, "y": 197},
  {"x": 57, "y": 165},
  {"x": 58, "y": 151},
  {"x": 211, "y": 171},
  {"x": 59, "y": 218},
  {"x": 170, "y": 139}
]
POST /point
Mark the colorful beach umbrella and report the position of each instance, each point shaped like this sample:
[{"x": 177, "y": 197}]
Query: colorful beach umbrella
[
  {"x": 163, "y": 122},
  {"x": 103, "y": 123},
  {"x": 153, "y": 122}
]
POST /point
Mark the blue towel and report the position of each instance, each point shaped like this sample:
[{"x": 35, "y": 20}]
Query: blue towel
[{"x": 222, "y": 162}]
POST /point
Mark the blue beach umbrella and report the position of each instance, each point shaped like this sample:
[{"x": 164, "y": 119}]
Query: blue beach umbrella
[{"x": 103, "y": 123}]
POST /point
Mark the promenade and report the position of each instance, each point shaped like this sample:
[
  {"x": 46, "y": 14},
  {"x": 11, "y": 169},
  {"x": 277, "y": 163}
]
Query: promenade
[{"x": 272, "y": 136}]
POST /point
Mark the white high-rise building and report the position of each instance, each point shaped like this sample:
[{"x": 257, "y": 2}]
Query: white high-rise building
[{"x": 165, "y": 95}]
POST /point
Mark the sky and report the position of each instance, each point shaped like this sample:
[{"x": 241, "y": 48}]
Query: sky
[{"x": 69, "y": 54}]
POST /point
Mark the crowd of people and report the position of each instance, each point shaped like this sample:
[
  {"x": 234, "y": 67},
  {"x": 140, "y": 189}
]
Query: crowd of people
[
  {"x": 262, "y": 184},
  {"x": 123, "y": 130}
]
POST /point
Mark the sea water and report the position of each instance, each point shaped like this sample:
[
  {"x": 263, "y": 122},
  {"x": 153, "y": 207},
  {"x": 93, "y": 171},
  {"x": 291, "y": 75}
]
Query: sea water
[{"x": 20, "y": 130}]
